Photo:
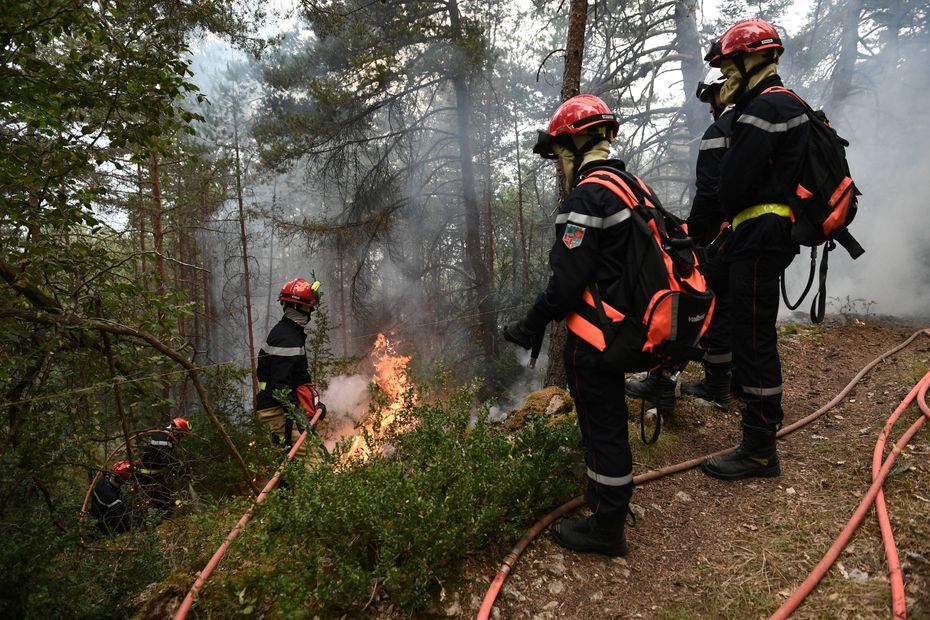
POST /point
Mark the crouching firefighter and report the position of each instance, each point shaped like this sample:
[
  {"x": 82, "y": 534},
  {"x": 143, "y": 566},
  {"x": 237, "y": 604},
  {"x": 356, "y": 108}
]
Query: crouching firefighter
[
  {"x": 283, "y": 371},
  {"x": 160, "y": 461},
  {"x": 106, "y": 500},
  {"x": 592, "y": 282}
]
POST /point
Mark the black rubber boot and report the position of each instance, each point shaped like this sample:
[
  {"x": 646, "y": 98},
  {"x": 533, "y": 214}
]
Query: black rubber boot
[
  {"x": 589, "y": 536},
  {"x": 715, "y": 387},
  {"x": 756, "y": 456},
  {"x": 656, "y": 388}
]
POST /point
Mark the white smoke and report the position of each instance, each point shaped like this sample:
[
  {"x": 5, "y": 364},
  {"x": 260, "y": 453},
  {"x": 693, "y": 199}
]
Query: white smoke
[
  {"x": 527, "y": 381},
  {"x": 887, "y": 125},
  {"x": 346, "y": 400}
]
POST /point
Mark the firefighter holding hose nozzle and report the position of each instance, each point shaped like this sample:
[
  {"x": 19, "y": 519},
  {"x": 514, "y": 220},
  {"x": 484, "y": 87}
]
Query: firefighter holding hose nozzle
[{"x": 283, "y": 367}]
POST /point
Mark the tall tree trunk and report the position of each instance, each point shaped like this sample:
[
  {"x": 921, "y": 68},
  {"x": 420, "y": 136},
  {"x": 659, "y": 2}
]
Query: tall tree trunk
[
  {"x": 271, "y": 282},
  {"x": 571, "y": 86},
  {"x": 142, "y": 232},
  {"x": 521, "y": 228},
  {"x": 245, "y": 255},
  {"x": 842, "y": 77},
  {"x": 158, "y": 238},
  {"x": 343, "y": 317},
  {"x": 688, "y": 44},
  {"x": 158, "y": 242},
  {"x": 487, "y": 314}
]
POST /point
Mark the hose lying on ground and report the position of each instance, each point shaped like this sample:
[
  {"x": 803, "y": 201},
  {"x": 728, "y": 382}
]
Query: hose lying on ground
[
  {"x": 795, "y": 600},
  {"x": 233, "y": 533},
  {"x": 510, "y": 560}
]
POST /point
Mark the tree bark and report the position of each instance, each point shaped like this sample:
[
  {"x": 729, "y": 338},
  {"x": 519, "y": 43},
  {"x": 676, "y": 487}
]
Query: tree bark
[
  {"x": 484, "y": 290},
  {"x": 688, "y": 43},
  {"x": 571, "y": 86},
  {"x": 271, "y": 282},
  {"x": 142, "y": 233},
  {"x": 158, "y": 237},
  {"x": 245, "y": 255},
  {"x": 841, "y": 80},
  {"x": 521, "y": 224}
]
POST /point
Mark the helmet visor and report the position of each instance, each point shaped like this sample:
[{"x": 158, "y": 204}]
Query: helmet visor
[{"x": 543, "y": 146}]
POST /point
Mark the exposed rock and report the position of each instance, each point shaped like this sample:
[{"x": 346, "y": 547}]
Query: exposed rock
[
  {"x": 557, "y": 568},
  {"x": 682, "y": 497},
  {"x": 556, "y": 587},
  {"x": 548, "y": 402}
]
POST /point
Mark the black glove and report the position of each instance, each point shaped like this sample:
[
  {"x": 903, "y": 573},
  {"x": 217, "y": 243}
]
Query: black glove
[
  {"x": 519, "y": 334},
  {"x": 322, "y": 408}
]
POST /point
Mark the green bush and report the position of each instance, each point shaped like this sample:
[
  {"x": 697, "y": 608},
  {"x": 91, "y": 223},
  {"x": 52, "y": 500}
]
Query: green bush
[{"x": 403, "y": 523}]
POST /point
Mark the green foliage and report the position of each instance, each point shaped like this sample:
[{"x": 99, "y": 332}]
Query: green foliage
[
  {"x": 403, "y": 523},
  {"x": 322, "y": 362}
]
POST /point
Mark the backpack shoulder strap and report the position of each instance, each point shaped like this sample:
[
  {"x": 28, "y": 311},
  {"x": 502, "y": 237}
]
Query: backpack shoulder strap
[
  {"x": 614, "y": 180},
  {"x": 781, "y": 89}
]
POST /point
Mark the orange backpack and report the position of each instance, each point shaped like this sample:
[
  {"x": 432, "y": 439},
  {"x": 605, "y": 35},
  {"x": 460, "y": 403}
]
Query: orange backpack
[{"x": 656, "y": 312}]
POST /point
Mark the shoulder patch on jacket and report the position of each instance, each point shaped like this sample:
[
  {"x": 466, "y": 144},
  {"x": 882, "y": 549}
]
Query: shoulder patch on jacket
[{"x": 573, "y": 236}]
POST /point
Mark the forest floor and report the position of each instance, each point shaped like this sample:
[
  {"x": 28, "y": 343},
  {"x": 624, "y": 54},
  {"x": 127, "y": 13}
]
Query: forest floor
[{"x": 704, "y": 548}]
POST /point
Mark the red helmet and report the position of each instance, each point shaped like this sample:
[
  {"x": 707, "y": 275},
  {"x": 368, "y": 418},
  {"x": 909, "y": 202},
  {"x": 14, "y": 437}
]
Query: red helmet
[
  {"x": 752, "y": 35},
  {"x": 122, "y": 469},
  {"x": 299, "y": 291},
  {"x": 573, "y": 116},
  {"x": 182, "y": 425}
]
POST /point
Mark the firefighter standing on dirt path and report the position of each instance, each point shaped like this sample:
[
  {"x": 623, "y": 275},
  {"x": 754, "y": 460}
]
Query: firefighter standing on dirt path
[
  {"x": 159, "y": 459},
  {"x": 282, "y": 365},
  {"x": 770, "y": 134},
  {"x": 592, "y": 229},
  {"x": 707, "y": 223},
  {"x": 106, "y": 500}
]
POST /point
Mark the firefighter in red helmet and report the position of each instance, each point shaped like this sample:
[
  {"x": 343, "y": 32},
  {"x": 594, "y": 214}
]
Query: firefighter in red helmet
[
  {"x": 770, "y": 135},
  {"x": 106, "y": 501},
  {"x": 160, "y": 464},
  {"x": 283, "y": 367},
  {"x": 592, "y": 229}
]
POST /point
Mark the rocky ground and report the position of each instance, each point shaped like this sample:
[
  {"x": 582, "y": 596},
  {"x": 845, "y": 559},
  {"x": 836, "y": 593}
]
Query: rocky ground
[{"x": 704, "y": 548}]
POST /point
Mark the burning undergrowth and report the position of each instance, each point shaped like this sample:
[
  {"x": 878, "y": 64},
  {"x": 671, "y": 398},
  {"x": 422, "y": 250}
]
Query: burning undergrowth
[{"x": 366, "y": 409}]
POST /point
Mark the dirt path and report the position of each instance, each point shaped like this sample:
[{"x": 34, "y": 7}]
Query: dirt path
[{"x": 704, "y": 548}]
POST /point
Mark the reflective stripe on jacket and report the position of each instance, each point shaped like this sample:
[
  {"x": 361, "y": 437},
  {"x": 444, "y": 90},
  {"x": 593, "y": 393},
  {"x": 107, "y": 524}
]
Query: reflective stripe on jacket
[
  {"x": 594, "y": 252},
  {"x": 707, "y": 214},
  {"x": 770, "y": 135},
  {"x": 282, "y": 363}
]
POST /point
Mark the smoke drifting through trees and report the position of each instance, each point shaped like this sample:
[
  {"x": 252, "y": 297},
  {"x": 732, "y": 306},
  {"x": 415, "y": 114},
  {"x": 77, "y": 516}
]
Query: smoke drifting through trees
[{"x": 372, "y": 200}]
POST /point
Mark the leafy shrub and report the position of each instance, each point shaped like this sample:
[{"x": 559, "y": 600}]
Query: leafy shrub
[{"x": 404, "y": 523}]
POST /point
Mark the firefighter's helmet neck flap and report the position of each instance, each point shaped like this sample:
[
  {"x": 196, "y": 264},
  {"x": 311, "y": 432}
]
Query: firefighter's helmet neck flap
[
  {"x": 575, "y": 151},
  {"x": 744, "y": 72}
]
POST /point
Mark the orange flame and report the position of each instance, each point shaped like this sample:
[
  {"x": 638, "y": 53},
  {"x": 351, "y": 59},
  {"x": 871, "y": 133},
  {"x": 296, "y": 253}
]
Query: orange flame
[{"x": 392, "y": 377}]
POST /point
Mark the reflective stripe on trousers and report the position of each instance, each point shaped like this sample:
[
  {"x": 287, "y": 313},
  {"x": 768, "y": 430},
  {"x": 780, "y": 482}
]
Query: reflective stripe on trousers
[{"x": 598, "y": 391}]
